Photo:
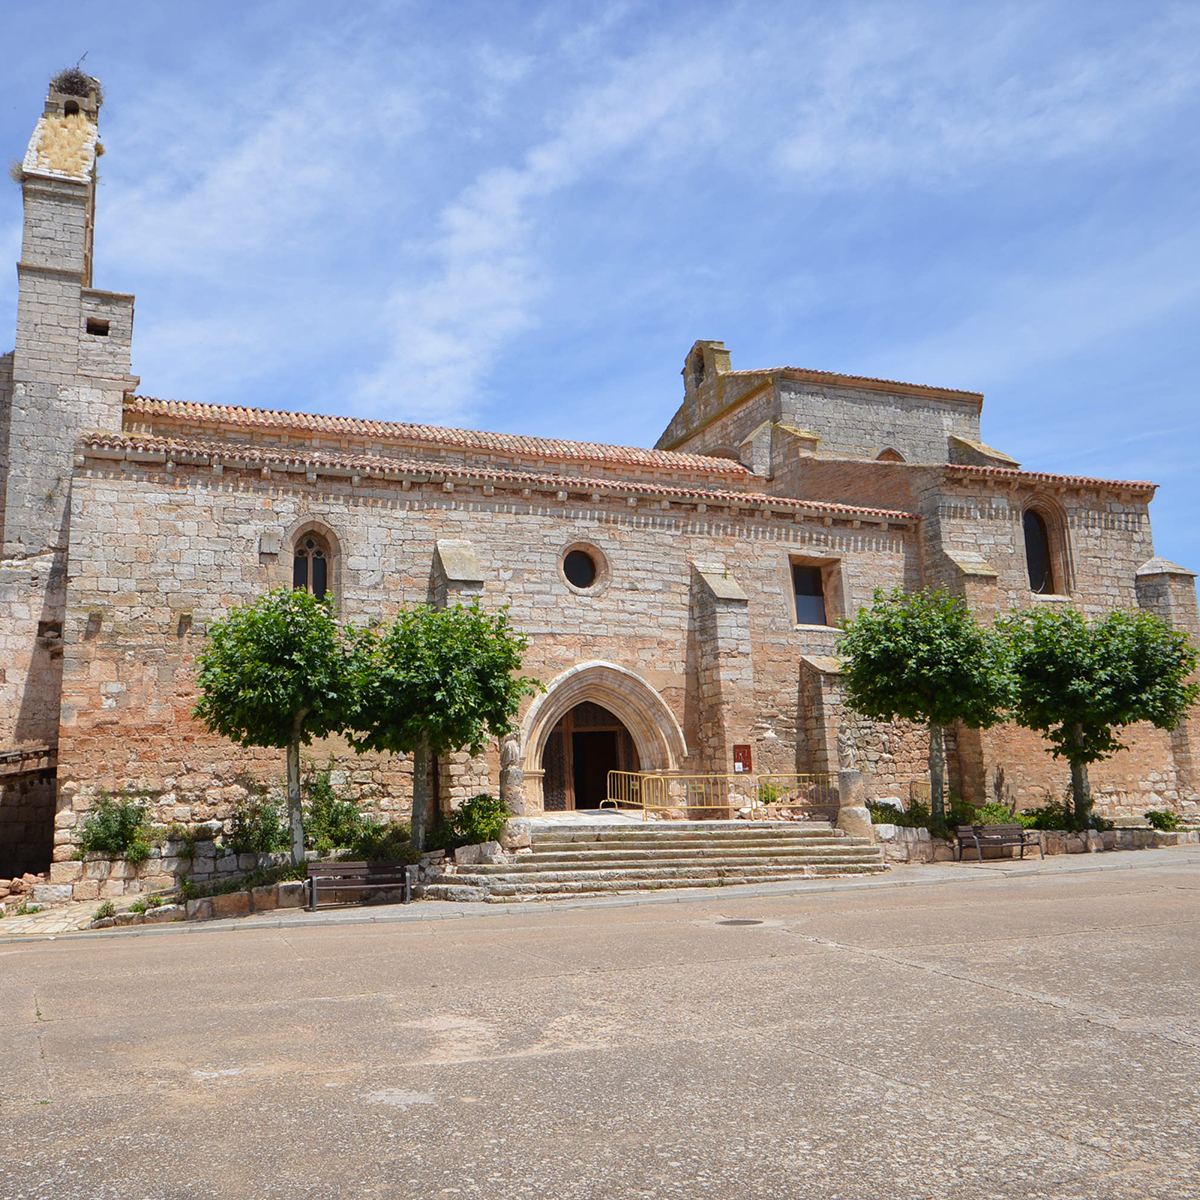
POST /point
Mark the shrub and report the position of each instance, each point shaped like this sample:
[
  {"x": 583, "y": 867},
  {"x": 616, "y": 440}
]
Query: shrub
[
  {"x": 25, "y": 909},
  {"x": 138, "y": 906},
  {"x": 256, "y": 827},
  {"x": 384, "y": 843},
  {"x": 481, "y": 819},
  {"x": 330, "y": 821},
  {"x": 117, "y": 826},
  {"x": 1167, "y": 822},
  {"x": 106, "y": 909}
]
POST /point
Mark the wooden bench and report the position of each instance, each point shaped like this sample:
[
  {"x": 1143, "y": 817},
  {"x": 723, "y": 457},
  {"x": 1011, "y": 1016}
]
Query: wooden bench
[
  {"x": 358, "y": 877},
  {"x": 998, "y": 835}
]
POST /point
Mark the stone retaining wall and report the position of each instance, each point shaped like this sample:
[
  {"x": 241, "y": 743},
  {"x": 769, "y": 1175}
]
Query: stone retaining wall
[
  {"x": 98, "y": 877},
  {"x": 906, "y": 845}
]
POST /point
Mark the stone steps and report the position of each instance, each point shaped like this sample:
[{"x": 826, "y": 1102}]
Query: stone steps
[
  {"x": 632, "y": 860},
  {"x": 606, "y": 859},
  {"x": 495, "y": 891}
]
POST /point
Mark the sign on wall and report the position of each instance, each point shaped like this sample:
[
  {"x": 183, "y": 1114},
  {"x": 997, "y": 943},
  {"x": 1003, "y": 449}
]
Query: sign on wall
[{"x": 742, "y": 762}]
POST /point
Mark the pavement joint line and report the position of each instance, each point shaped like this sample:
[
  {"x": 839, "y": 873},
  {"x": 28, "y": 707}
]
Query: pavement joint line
[
  {"x": 978, "y": 873},
  {"x": 923, "y": 1089},
  {"x": 1107, "y": 1018}
]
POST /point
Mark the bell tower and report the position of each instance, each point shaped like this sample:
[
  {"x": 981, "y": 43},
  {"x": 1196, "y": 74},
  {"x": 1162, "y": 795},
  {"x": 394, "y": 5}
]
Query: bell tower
[{"x": 70, "y": 369}]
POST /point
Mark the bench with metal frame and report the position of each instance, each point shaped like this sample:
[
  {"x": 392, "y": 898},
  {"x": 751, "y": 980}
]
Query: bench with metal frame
[
  {"x": 358, "y": 877},
  {"x": 998, "y": 835}
]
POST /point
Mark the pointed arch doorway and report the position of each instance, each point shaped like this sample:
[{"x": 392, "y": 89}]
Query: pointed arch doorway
[{"x": 585, "y": 744}]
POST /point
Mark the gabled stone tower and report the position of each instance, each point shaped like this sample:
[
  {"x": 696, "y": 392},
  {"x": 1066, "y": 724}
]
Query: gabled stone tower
[
  {"x": 70, "y": 369},
  {"x": 68, "y": 374}
]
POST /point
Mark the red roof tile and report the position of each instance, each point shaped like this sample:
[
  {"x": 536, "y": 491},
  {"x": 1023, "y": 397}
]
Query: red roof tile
[
  {"x": 1128, "y": 485},
  {"x": 432, "y": 435},
  {"x": 266, "y": 455}
]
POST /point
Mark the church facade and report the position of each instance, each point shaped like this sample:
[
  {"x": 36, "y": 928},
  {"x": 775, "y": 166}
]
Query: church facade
[{"x": 682, "y": 602}]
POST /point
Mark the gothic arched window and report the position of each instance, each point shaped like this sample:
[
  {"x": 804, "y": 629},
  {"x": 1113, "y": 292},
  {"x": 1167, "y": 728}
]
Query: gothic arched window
[
  {"x": 1038, "y": 560},
  {"x": 310, "y": 564}
]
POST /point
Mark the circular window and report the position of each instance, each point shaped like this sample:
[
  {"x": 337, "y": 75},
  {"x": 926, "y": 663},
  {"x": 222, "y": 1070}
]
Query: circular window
[{"x": 580, "y": 568}]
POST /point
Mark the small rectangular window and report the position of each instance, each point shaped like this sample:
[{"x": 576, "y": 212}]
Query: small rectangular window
[
  {"x": 97, "y": 327},
  {"x": 810, "y": 595}
]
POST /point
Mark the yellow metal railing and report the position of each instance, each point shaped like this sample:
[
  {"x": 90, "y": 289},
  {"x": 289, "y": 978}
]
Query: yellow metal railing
[{"x": 747, "y": 795}]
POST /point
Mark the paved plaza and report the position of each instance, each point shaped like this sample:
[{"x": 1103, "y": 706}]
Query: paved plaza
[{"x": 966, "y": 1032}]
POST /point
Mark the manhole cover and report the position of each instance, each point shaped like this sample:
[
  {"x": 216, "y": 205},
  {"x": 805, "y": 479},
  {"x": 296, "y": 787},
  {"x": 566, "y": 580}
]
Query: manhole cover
[{"x": 744, "y": 921}]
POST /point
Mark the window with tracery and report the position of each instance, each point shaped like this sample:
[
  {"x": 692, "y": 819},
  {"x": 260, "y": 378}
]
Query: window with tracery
[{"x": 310, "y": 564}]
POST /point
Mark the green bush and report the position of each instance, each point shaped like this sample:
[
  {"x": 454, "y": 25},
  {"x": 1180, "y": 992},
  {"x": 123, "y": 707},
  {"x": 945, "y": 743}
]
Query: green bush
[
  {"x": 330, "y": 822},
  {"x": 107, "y": 909},
  {"x": 257, "y": 826},
  {"x": 138, "y": 906},
  {"x": 1060, "y": 814},
  {"x": 383, "y": 843},
  {"x": 1167, "y": 822},
  {"x": 915, "y": 816},
  {"x": 481, "y": 819},
  {"x": 116, "y": 825}
]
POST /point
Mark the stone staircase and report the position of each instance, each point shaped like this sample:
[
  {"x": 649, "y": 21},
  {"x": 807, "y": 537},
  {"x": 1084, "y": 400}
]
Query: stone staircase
[{"x": 565, "y": 860}]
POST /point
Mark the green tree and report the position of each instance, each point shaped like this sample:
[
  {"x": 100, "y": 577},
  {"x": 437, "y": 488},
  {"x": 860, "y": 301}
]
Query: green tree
[
  {"x": 922, "y": 657},
  {"x": 277, "y": 673},
  {"x": 435, "y": 681},
  {"x": 1079, "y": 683}
]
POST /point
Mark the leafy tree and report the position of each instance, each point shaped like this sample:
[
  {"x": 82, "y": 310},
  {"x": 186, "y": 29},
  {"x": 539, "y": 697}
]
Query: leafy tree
[
  {"x": 277, "y": 673},
  {"x": 1079, "y": 683},
  {"x": 435, "y": 681},
  {"x": 922, "y": 657}
]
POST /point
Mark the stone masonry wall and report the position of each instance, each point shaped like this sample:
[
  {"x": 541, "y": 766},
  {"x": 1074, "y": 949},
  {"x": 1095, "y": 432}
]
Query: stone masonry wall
[{"x": 158, "y": 554}]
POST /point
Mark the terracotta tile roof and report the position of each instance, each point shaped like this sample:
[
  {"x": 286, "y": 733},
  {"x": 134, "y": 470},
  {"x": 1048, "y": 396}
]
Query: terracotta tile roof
[
  {"x": 151, "y": 448},
  {"x": 1125, "y": 485},
  {"x": 432, "y": 435}
]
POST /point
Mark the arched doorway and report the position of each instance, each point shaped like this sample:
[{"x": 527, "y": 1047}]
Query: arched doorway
[
  {"x": 627, "y": 699},
  {"x": 585, "y": 744}
]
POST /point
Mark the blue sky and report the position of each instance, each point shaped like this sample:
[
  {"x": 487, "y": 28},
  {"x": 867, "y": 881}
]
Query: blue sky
[{"x": 520, "y": 216}]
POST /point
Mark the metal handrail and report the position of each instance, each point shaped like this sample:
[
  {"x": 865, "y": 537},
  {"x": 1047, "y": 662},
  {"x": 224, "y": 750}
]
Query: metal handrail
[{"x": 749, "y": 793}]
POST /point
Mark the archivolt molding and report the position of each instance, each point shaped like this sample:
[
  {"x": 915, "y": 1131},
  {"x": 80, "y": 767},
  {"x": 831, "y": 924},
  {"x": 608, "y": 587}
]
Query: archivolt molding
[{"x": 651, "y": 724}]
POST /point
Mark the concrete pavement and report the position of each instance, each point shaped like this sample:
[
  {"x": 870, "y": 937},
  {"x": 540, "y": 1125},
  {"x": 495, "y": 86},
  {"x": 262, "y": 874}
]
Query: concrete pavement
[{"x": 992, "y": 1032}]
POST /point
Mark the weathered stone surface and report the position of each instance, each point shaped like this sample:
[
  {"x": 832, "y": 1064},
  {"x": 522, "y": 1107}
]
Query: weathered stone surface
[
  {"x": 232, "y": 904},
  {"x": 484, "y": 852},
  {"x": 291, "y": 893},
  {"x": 265, "y": 897},
  {"x": 50, "y": 893},
  {"x": 66, "y": 872},
  {"x": 199, "y": 910},
  {"x": 164, "y": 913},
  {"x": 86, "y": 889},
  {"x": 516, "y": 833}
]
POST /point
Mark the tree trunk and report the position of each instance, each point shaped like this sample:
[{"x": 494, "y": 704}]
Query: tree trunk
[
  {"x": 1081, "y": 793},
  {"x": 420, "y": 804},
  {"x": 295, "y": 815},
  {"x": 937, "y": 773}
]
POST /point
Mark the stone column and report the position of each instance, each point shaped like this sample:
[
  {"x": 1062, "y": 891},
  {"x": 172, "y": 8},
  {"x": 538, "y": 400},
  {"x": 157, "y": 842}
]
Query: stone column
[
  {"x": 512, "y": 777},
  {"x": 853, "y": 816}
]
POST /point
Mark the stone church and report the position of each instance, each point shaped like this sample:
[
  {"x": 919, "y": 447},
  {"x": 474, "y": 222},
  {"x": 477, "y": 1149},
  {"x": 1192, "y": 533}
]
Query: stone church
[{"x": 682, "y": 602}]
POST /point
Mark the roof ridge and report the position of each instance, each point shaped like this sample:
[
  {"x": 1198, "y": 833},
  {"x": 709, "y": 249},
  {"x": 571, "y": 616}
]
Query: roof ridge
[
  {"x": 438, "y": 434},
  {"x": 1018, "y": 473}
]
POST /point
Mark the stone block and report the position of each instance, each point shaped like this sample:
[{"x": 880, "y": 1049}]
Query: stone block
[
  {"x": 86, "y": 889},
  {"x": 233, "y": 904},
  {"x": 203, "y": 865},
  {"x": 517, "y": 834},
  {"x": 50, "y": 893},
  {"x": 227, "y": 863},
  {"x": 103, "y": 923},
  {"x": 484, "y": 852},
  {"x": 112, "y": 889},
  {"x": 128, "y": 918},
  {"x": 120, "y": 869},
  {"x": 199, "y": 910},
  {"x": 66, "y": 872},
  {"x": 292, "y": 893},
  {"x": 885, "y": 832},
  {"x": 96, "y": 869},
  {"x": 164, "y": 913},
  {"x": 1075, "y": 844},
  {"x": 265, "y": 897},
  {"x": 247, "y": 862}
]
